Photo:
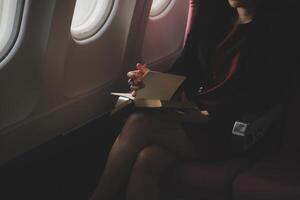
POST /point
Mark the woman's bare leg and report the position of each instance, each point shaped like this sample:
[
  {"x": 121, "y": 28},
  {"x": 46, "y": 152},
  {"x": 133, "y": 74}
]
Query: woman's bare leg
[
  {"x": 144, "y": 179},
  {"x": 141, "y": 130}
]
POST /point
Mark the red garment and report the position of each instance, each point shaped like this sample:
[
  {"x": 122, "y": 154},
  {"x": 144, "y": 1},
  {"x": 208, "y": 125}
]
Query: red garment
[{"x": 224, "y": 60}]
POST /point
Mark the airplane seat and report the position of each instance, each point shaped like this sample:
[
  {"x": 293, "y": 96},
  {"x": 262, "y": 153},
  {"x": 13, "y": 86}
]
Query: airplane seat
[
  {"x": 191, "y": 17},
  {"x": 201, "y": 180},
  {"x": 272, "y": 177},
  {"x": 277, "y": 176}
]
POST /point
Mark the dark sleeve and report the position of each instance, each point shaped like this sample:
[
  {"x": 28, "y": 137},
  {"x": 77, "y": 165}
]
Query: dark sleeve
[
  {"x": 187, "y": 58},
  {"x": 270, "y": 80},
  {"x": 190, "y": 64}
]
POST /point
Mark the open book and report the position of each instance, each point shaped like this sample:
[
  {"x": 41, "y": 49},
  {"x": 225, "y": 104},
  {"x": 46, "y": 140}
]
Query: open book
[
  {"x": 158, "y": 85},
  {"x": 157, "y": 93}
]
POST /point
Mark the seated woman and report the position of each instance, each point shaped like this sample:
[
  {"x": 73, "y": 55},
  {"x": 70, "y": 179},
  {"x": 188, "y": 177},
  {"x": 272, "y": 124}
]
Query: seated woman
[{"x": 229, "y": 74}]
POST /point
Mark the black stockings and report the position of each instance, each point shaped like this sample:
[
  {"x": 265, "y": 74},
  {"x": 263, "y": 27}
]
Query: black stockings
[{"x": 148, "y": 143}]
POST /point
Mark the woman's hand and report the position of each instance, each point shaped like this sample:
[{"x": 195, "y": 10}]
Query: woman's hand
[{"x": 135, "y": 78}]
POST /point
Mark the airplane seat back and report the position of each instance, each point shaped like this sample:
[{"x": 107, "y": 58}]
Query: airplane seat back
[
  {"x": 277, "y": 177},
  {"x": 208, "y": 180},
  {"x": 291, "y": 135},
  {"x": 191, "y": 17}
]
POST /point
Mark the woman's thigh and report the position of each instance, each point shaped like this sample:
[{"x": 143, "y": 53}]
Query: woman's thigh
[{"x": 155, "y": 127}]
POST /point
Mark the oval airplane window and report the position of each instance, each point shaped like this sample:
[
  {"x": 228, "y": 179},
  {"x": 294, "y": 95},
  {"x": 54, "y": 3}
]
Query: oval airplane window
[
  {"x": 10, "y": 17},
  {"x": 89, "y": 16},
  {"x": 158, "y": 6}
]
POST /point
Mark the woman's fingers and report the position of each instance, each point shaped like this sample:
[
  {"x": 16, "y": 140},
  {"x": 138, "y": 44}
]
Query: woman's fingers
[
  {"x": 133, "y": 93},
  {"x": 132, "y": 74},
  {"x": 135, "y": 76},
  {"x": 143, "y": 68},
  {"x": 130, "y": 81},
  {"x": 137, "y": 82},
  {"x": 136, "y": 87}
]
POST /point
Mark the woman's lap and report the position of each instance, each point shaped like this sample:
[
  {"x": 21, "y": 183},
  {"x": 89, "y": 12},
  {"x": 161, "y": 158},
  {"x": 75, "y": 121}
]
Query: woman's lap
[
  {"x": 165, "y": 129},
  {"x": 154, "y": 127}
]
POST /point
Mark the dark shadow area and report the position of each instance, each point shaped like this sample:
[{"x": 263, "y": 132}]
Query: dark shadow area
[{"x": 67, "y": 167}]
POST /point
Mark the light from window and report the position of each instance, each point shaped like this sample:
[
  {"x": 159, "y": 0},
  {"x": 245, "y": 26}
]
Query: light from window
[
  {"x": 10, "y": 11},
  {"x": 89, "y": 16},
  {"x": 158, "y": 6}
]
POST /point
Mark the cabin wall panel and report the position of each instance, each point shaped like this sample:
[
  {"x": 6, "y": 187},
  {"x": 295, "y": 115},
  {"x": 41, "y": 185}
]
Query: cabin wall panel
[
  {"x": 62, "y": 85},
  {"x": 20, "y": 78},
  {"x": 164, "y": 35}
]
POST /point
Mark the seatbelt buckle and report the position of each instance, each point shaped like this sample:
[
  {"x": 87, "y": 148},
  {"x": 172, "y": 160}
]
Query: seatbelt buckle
[{"x": 239, "y": 128}]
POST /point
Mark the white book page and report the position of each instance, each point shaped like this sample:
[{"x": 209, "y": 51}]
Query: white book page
[
  {"x": 159, "y": 85},
  {"x": 126, "y": 95}
]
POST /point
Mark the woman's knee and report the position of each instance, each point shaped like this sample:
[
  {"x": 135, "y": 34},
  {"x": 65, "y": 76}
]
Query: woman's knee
[
  {"x": 138, "y": 123},
  {"x": 153, "y": 159}
]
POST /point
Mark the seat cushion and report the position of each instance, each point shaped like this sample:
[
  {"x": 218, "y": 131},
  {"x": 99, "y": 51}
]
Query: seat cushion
[
  {"x": 269, "y": 180},
  {"x": 196, "y": 180}
]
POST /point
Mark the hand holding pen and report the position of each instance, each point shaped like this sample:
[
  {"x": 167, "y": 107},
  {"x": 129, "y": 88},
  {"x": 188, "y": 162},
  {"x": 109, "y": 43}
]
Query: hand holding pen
[{"x": 135, "y": 77}]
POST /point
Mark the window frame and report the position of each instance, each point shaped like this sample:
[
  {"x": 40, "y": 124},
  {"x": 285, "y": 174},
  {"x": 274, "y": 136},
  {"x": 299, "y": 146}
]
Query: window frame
[
  {"x": 14, "y": 30},
  {"x": 164, "y": 8},
  {"x": 95, "y": 31}
]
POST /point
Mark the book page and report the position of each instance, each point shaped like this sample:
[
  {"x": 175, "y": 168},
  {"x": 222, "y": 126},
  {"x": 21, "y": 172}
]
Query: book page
[
  {"x": 126, "y": 95},
  {"x": 159, "y": 85}
]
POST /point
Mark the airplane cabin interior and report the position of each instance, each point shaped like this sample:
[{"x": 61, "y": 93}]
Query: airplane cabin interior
[{"x": 61, "y": 59}]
